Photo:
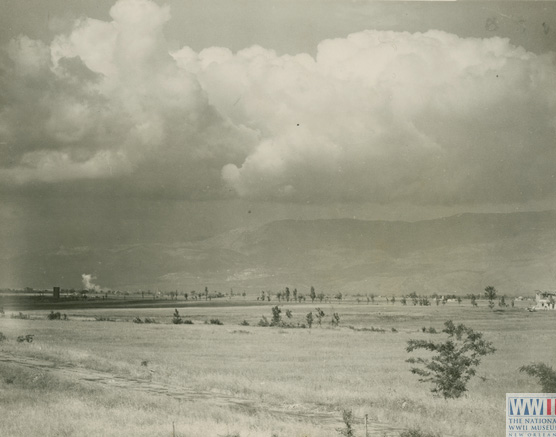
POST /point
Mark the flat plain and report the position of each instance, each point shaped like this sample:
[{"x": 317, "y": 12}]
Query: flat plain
[{"x": 100, "y": 374}]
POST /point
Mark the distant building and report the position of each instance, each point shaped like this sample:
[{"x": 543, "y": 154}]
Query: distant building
[{"x": 545, "y": 300}]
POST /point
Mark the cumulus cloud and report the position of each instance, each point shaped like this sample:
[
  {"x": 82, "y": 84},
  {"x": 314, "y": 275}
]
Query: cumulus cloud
[{"x": 376, "y": 116}]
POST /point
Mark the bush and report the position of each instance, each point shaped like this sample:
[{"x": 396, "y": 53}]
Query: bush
[
  {"x": 3, "y": 337},
  {"x": 264, "y": 322},
  {"x": 176, "y": 319},
  {"x": 453, "y": 365},
  {"x": 309, "y": 318},
  {"x": 104, "y": 319},
  {"x": 149, "y": 320},
  {"x": 412, "y": 432},
  {"x": 56, "y": 316},
  {"x": 544, "y": 373},
  {"x": 244, "y": 323},
  {"x": 137, "y": 320},
  {"x": 215, "y": 322},
  {"x": 20, "y": 316}
]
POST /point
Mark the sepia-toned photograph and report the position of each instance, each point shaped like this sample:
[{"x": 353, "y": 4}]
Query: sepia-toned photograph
[{"x": 280, "y": 218}]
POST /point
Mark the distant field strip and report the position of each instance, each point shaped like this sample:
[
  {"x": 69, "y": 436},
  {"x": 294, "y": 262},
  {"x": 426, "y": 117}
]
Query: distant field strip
[{"x": 320, "y": 418}]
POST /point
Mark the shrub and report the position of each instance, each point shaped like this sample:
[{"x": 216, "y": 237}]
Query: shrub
[
  {"x": 20, "y": 316},
  {"x": 413, "y": 432},
  {"x": 3, "y": 337},
  {"x": 104, "y": 319},
  {"x": 149, "y": 320},
  {"x": 264, "y": 321},
  {"x": 309, "y": 318},
  {"x": 335, "y": 319},
  {"x": 176, "y": 319},
  {"x": 455, "y": 360},
  {"x": 28, "y": 338},
  {"x": 276, "y": 317},
  {"x": 545, "y": 375},
  {"x": 244, "y": 323},
  {"x": 320, "y": 314},
  {"x": 137, "y": 320},
  {"x": 215, "y": 322}
]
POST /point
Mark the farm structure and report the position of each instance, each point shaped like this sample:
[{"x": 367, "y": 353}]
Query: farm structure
[{"x": 545, "y": 300}]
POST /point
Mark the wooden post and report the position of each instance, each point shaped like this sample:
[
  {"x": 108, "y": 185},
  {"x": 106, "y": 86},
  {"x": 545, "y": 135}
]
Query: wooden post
[{"x": 366, "y": 430}]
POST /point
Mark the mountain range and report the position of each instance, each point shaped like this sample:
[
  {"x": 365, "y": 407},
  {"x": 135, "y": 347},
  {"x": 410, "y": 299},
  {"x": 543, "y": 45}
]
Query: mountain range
[{"x": 515, "y": 252}]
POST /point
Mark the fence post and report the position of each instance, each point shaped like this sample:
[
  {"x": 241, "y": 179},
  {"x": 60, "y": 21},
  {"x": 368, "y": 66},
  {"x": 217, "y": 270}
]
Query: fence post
[{"x": 366, "y": 430}]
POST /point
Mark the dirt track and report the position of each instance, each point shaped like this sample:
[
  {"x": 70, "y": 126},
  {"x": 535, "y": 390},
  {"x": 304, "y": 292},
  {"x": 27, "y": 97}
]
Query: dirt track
[{"x": 298, "y": 412}]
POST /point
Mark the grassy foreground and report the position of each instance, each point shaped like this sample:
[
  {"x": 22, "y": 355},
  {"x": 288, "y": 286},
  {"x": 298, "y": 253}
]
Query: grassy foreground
[{"x": 286, "y": 374}]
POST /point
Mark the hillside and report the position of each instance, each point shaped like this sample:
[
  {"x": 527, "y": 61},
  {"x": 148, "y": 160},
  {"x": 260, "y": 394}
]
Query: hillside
[{"x": 515, "y": 252}]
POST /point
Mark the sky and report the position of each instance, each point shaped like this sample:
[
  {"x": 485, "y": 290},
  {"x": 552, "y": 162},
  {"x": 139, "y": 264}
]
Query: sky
[{"x": 159, "y": 121}]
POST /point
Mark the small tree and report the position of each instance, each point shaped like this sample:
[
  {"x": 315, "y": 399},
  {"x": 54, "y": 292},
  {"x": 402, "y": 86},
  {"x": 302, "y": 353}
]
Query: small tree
[
  {"x": 176, "y": 319},
  {"x": 490, "y": 294},
  {"x": 474, "y": 301},
  {"x": 276, "y": 317},
  {"x": 455, "y": 360},
  {"x": 347, "y": 417},
  {"x": 335, "y": 319},
  {"x": 320, "y": 314},
  {"x": 309, "y": 318},
  {"x": 545, "y": 374},
  {"x": 312, "y": 294}
]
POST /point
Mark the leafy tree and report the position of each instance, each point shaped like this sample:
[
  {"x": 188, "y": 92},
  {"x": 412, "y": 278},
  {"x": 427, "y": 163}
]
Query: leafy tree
[
  {"x": 320, "y": 314},
  {"x": 335, "y": 319},
  {"x": 455, "y": 360},
  {"x": 403, "y": 300},
  {"x": 347, "y": 417},
  {"x": 490, "y": 294},
  {"x": 295, "y": 294},
  {"x": 309, "y": 318},
  {"x": 545, "y": 374},
  {"x": 276, "y": 317},
  {"x": 288, "y": 314},
  {"x": 339, "y": 297},
  {"x": 287, "y": 294},
  {"x": 321, "y": 297},
  {"x": 312, "y": 294},
  {"x": 176, "y": 319},
  {"x": 474, "y": 301},
  {"x": 393, "y": 300}
]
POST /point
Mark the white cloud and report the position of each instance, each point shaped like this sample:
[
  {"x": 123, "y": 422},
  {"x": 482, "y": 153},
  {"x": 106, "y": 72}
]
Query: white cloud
[{"x": 376, "y": 116}]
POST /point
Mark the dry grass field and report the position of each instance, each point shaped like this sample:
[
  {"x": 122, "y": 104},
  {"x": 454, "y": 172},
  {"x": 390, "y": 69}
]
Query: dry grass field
[{"x": 118, "y": 378}]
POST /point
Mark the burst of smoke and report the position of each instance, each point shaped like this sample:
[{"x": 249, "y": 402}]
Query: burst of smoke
[{"x": 88, "y": 282}]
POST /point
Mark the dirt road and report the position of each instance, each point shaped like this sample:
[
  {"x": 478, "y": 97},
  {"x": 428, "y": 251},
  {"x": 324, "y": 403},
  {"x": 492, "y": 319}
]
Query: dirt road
[{"x": 320, "y": 418}]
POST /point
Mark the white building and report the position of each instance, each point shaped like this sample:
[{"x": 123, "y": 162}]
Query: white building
[{"x": 545, "y": 300}]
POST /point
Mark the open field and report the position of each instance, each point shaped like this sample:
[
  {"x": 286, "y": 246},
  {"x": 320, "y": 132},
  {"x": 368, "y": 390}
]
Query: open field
[{"x": 116, "y": 378}]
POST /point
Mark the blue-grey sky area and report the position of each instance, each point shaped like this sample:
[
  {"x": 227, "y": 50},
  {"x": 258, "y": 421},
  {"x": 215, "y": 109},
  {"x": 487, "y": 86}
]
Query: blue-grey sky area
[{"x": 138, "y": 120}]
